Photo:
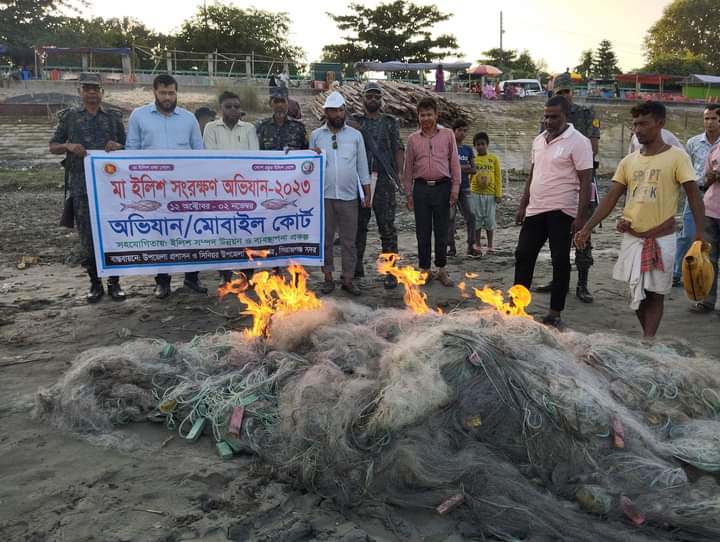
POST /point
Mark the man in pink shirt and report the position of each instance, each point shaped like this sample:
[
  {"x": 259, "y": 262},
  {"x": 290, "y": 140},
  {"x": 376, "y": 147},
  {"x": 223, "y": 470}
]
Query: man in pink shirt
[
  {"x": 556, "y": 202},
  {"x": 431, "y": 179},
  {"x": 712, "y": 222}
]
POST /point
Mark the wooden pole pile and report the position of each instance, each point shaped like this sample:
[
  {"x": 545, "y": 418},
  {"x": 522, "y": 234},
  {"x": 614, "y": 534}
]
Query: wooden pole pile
[{"x": 399, "y": 99}]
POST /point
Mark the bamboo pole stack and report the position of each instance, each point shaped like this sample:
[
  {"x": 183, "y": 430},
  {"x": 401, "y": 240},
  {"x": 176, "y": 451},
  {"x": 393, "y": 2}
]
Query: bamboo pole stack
[{"x": 399, "y": 100}]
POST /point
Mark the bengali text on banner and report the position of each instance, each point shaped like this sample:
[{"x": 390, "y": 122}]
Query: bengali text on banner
[{"x": 175, "y": 211}]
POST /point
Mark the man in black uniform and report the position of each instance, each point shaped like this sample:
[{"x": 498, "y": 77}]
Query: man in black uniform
[
  {"x": 79, "y": 129},
  {"x": 280, "y": 131},
  {"x": 386, "y": 155},
  {"x": 585, "y": 122}
]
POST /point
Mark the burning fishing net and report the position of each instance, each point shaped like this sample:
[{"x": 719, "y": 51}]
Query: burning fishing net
[{"x": 524, "y": 433}]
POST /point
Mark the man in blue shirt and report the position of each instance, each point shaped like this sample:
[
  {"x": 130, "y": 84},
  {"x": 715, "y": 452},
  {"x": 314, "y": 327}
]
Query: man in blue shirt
[
  {"x": 346, "y": 171},
  {"x": 467, "y": 168},
  {"x": 162, "y": 125},
  {"x": 698, "y": 148}
]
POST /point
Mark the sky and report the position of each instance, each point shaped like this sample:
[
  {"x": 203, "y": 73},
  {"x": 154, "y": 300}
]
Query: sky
[{"x": 553, "y": 32}]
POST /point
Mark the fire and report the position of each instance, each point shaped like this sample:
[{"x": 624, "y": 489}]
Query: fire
[
  {"x": 463, "y": 289},
  {"x": 410, "y": 278},
  {"x": 471, "y": 275},
  {"x": 250, "y": 253},
  {"x": 519, "y": 299},
  {"x": 274, "y": 296}
]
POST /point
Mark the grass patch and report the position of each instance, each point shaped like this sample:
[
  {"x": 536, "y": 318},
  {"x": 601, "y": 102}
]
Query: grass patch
[{"x": 45, "y": 177}]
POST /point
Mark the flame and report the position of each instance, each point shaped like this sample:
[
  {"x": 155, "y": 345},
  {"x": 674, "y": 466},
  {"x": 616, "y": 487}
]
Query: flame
[
  {"x": 410, "y": 278},
  {"x": 519, "y": 299},
  {"x": 274, "y": 295},
  {"x": 471, "y": 275},
  {"x": 463, "y": 289},
  {"x": 250, "y": 252}
]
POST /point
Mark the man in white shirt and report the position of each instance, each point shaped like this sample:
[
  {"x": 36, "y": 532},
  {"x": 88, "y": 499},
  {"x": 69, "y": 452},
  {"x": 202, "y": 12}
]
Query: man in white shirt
[
  {"x": 346, "y": 172},
  {"x": 230, "y": 134}
]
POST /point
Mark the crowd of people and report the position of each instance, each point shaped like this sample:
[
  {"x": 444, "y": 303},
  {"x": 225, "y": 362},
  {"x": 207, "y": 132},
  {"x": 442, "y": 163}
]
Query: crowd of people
[{"x": 438, "y": 176}]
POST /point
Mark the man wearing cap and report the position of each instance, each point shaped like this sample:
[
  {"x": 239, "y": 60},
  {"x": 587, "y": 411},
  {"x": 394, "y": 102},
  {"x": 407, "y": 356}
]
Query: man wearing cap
[
  {"x": 584, "y": 121},
  {"x": 162, "y": 125},
  {"x": 280, "y": 132},
  {"x": 346, "y": 172},
  {"x": 204, "y": 115},
  {"x": 385, "y": 154},
  {"x": 230, "y": 134},
  {"x": 79, "y": 129}
]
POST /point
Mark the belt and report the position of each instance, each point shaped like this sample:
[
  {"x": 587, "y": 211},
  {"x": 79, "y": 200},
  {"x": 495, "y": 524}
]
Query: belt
[{"x": 432, "y": 183}]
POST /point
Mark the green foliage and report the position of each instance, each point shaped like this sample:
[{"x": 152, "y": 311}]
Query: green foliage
[
  {"x": 23, "y": 22},
  {"x": 398, "y": 30},
  {"x": 512, "y": 63},
  {"x": 686, "y": 27},
  {"x": 229, "y": 29},
  {"x": 606, "y": 63},
  {"x": 678, "y": 64},
  {"x": 587, "y": 64}
]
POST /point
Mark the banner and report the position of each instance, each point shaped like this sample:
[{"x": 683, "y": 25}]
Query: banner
[{"x": 176, "y": 211}]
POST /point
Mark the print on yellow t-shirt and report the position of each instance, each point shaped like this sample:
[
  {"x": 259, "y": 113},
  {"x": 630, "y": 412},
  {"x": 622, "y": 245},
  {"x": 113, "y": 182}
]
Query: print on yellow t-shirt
[{"x": 653, "y": 186}]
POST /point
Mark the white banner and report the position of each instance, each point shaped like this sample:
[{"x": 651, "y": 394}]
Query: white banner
[{"x": 176, "y": 211}]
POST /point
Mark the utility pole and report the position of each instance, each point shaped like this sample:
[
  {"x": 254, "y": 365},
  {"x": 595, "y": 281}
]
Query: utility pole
[{"x": 502, "y": 31}]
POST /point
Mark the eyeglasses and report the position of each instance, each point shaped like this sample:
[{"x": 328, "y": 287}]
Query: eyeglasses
[{"x": 334, "y": 141}]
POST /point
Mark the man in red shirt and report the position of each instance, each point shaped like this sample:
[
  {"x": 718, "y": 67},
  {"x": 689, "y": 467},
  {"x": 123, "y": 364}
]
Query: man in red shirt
[{"x": 431, "y": 179}]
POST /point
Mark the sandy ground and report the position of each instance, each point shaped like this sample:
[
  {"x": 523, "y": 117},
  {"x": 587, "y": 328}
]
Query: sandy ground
[{"x": 147, "y": 486}]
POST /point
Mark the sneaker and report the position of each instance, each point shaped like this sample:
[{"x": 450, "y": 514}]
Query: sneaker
[{"x": 390, "y": 282}]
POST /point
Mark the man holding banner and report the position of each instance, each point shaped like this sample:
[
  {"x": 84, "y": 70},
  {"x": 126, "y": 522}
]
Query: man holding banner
[
  {"x": 346, "y": 172},
  {"x": 88, "y": 127},
  {"x": 164, "y": 126}
]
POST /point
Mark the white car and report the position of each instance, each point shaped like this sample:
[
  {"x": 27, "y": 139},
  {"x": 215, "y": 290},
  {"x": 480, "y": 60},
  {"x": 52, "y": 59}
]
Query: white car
[{"x": 530, "y": 87}]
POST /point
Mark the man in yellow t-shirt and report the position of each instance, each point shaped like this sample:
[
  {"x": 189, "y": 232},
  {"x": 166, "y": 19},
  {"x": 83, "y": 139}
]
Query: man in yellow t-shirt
[
  {"x": 486, "y": 191},
  {"x": 651, "y": 177}
]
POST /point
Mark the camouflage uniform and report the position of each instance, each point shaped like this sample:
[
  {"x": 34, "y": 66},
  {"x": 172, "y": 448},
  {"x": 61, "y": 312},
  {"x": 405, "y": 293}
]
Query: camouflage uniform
[
  {"x": 585, "y": 121},
  {"x": 76, "y": 125},
  {"x": 274, "y": 137},
  {"x": 382, "y": 141}
]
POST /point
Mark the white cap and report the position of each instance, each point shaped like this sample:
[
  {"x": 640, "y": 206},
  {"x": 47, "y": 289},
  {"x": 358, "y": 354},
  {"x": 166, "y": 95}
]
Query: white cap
[{"x": 334, "y": 101}]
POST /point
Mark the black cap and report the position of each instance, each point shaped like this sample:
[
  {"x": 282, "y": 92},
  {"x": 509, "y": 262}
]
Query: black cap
[
  {"x": 90, "y": 79},
  {"x": 372, "y": 86},
  {"x": 279, "y": 93},
  {"x": 204, "y": 112}
]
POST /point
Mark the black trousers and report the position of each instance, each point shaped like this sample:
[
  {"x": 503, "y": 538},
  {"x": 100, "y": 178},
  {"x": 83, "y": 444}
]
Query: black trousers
[
  {"x": 164, "y": 278},
  {"x": 384, "y": 205},
  {"x": 432, "y": 216},
  {"x": 556, "y": 227}
]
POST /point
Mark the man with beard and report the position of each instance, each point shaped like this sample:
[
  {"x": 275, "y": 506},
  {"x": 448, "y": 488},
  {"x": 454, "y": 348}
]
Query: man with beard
[
  {"x": 280, "y": 132},
  {"x": 162, "y": 125},
  {"x": 346, "y": 169},
  {"x": 385, "y": 154},
  {"x": 230, "y": 134},
  {"x": 88, "y": 127}
]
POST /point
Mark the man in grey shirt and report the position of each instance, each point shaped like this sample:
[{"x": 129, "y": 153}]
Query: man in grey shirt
[{"x": 346, "y": 172}]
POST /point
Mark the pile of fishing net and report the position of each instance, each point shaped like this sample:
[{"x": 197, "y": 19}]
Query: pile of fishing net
[{"x": 523, "y": 433}]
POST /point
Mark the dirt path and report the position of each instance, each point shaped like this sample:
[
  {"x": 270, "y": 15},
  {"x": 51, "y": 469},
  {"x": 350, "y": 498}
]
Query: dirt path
[{"x": 138, "y": 485}]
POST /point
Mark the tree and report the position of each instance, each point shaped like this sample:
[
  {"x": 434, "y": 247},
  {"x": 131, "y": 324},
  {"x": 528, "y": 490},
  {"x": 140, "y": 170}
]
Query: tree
[
  {"x": 587, "y": 63},
  {"x": 606, "y": 64},
  {"x": 513, "y": 63},
  {"x": 398, "y": 30},
  {"x": 23, "y": 21},
  {"x": 500, "y": 58},
  {"x": 686, "y": 27},
  {"x": 678, "y": 65},
  {"x": 234, "y": 30},
  {"x": 524, "y": 65}
]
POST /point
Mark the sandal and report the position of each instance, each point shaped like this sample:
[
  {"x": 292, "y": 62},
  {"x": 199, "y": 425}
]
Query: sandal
[
  {"x": 327, "y": 286},
  {"x": 701, "y": 308},
  {"x": 351, "y": 288}
]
